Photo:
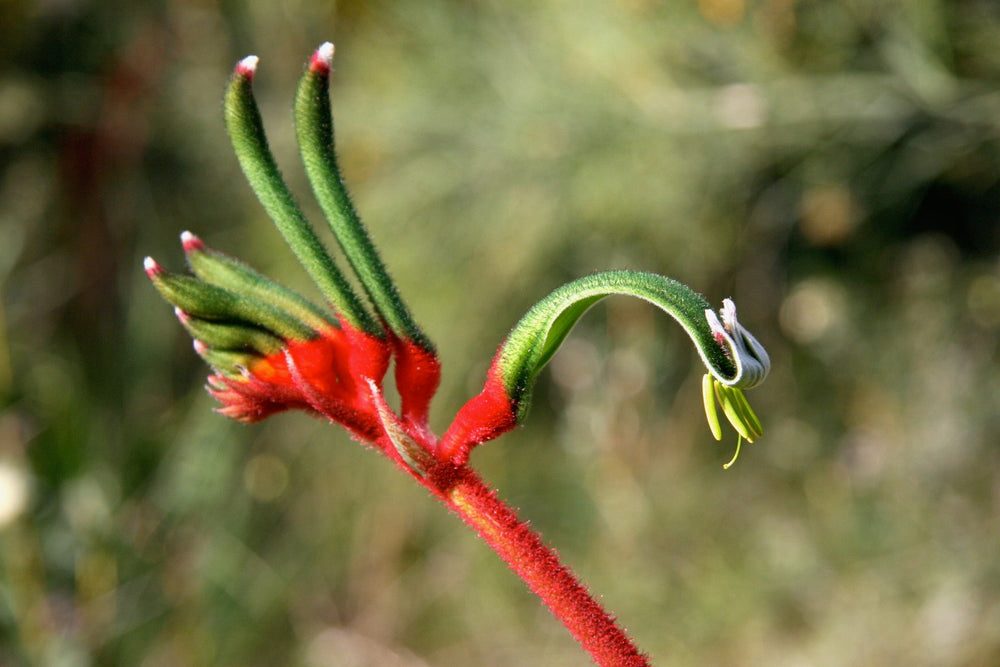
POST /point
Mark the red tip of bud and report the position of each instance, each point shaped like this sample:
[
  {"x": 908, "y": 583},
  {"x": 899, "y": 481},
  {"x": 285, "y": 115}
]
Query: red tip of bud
[
  {"x": 191, "y": 242},
  {"x": 200, "y": 347},
  {"x": 153, "y": 269},
  {"x": 181, "y": 315},
  {"x": 247, "y": 67},
  {"x": 322, "y": 59}
]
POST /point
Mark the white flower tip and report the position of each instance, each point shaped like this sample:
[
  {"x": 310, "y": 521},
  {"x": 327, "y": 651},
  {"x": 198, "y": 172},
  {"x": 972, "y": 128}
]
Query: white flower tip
[
  {"x": 325, "y": 52},
  {"x": 199, "y": 346},
  {"x": 749, "y": 355},
  {"x": 152, "y": 267},
  {"x": 247, "y": 66},
  {"x": 713, "y": 322},
  {"x": 729, "y": 314},
  {"x": 14, "y": 492},
  {"x": 191, "y": 243},
  {"x": 322, "y": 59}
]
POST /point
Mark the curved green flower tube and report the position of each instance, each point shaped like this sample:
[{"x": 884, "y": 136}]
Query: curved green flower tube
[
  {"x": 734, "y": 358},
  {"x": 731, "y": 354}
]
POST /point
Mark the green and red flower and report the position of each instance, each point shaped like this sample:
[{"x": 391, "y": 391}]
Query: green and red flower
[{"x": 272, "y": 350}]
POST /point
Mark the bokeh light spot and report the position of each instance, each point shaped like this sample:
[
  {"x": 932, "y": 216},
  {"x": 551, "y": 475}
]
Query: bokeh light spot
[
  {"x": 265, "y": 477},
  {"x": 811, "y": 310},
  {"x": 13, "y": 492},
  {"x": 829, "y": 215},
  {"x": 983, "y": 299},
  {"x": 741, "y": 106},
  {"x": 722, "y": 13}
]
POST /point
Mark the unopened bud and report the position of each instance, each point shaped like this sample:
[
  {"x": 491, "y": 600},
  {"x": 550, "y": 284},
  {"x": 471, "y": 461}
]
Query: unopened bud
[
  {"x": 322, "y": 59},
  {"x": 247, "y": 67},
  {"x": 153, "y": 269}
]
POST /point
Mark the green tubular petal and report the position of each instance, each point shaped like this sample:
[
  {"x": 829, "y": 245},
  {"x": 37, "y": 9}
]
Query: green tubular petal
[
  {"x": 314, "y": 129},
  {"x": 246, "y": 131},
  {"x": 226, "y": 362},
  {"x": 728, "y": 403},
  {"x": 708, "y": 396},
  {"x": 231, "y": 335},
  {"x": 747, "y": 414},
  {"x": 200, "y": 299},
  {"x": 229, "y": 273},
  {"x": 741, "y": 410},
  {"x": 737, "y": 410},
  {"x": 533, "y": 340}
]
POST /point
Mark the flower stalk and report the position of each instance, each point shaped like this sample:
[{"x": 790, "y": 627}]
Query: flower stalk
[
  {"x": 540, "y": 568},
  {"x": 272, "y": 349}
]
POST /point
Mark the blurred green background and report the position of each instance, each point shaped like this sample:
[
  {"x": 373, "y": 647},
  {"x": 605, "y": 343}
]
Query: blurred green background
[{"x": 832, "y": 166}]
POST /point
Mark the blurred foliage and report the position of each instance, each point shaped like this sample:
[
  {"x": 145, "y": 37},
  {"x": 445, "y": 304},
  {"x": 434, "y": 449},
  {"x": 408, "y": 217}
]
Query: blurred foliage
[{"x": 832, "y": 166}]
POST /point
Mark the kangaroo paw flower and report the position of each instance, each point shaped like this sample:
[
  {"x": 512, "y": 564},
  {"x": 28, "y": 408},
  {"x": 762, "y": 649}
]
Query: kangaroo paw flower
[
  {"x": 732, "y": 355},
  {"x": 752, "y": 366},
  {"x": 271, "y": 349}
]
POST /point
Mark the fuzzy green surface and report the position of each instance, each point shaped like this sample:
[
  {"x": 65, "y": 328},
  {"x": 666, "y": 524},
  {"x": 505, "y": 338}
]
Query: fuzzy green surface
[
  {"x": 538, "y": 335},
  {"x": 231, "y": 274},
  {"x": 200, "y": 299},
  {"x": 246, "y": 130},
  {"x": 232, "y": 336},
  {"x": 314, "y": 130}
]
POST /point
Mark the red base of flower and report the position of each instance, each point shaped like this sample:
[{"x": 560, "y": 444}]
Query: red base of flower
[
  {"x": 326, "y": 375},
  {"x": 418, "y": 373},
  {"x": 485, "y": 417}
]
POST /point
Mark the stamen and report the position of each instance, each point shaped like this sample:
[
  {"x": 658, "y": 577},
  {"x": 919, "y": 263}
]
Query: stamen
[{"x": 736, "y": 454}]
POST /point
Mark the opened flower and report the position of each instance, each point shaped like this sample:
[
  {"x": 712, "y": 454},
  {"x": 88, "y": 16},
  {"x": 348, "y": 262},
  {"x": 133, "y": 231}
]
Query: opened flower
[{"x": 272, "y": 350}]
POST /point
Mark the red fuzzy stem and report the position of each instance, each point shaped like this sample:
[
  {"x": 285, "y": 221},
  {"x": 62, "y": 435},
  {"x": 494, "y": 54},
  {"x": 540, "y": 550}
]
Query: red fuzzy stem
[{"x": 539, "y": 566}]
